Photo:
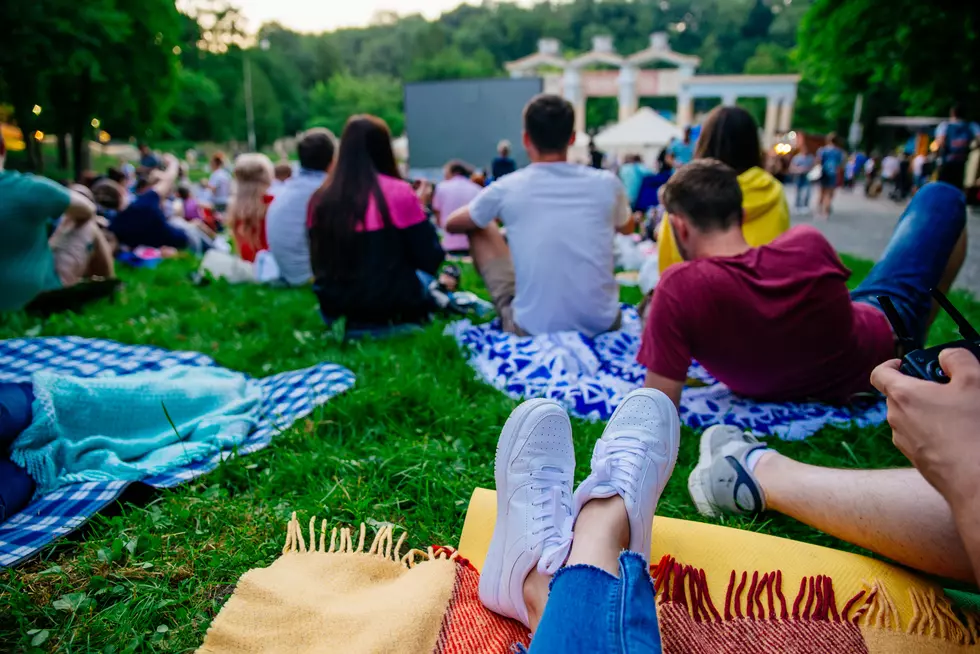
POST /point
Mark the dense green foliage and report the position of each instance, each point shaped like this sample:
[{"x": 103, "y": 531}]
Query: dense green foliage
[
  {"x": 907, "y": 56},
  {"x": 194, "y": 91},
  {"x": 407, "y": 445},
  {"x": 162, "y": 75}
]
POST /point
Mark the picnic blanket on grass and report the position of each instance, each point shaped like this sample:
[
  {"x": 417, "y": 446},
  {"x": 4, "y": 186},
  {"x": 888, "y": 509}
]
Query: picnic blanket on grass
[
  {"x": 591, "y": 376},
  {"x": 718, "y": 590},
  {"x": 285, "y": 398}
]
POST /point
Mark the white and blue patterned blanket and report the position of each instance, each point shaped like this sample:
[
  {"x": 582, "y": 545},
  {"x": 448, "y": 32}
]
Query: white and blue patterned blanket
[
  {"x": 286, "y": 397},
  {"x": 591, "y": 376}
]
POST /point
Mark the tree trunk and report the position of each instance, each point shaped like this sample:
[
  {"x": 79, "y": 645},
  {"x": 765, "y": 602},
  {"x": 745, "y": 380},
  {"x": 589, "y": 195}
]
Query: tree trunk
[
  {"x": 62, "y": 151},
  {"x": 80, "y": 127}
]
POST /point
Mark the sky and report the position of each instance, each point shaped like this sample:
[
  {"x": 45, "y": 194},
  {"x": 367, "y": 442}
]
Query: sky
[{"x": 323, "y": 15}]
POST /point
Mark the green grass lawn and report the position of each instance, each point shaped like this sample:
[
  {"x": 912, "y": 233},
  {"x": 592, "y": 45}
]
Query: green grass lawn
[{"x": 406, "y": 445}]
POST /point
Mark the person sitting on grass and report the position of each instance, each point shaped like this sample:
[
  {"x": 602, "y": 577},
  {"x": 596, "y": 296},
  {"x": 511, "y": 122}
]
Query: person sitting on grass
[
  {"x": 283, "y": 171},
  {"x": 285, "y": 221},
  {"x": 31, "y": 262},
  {"x": 249, "y": 203},
  {"x": 219, "y": 183},
  {"x": 776, "y": 322},
  {"x": 502, "y": 164},
  {"x": 142, "y": 222},
  {"x": 372, "y": 249},
  {"x": 555, "y": 270},
  {"x": 926, "y": 517},
  {"x": 731, "y": 135},
  {"x": 457, "y": 190},
  {"x": 574, "y": 567}
]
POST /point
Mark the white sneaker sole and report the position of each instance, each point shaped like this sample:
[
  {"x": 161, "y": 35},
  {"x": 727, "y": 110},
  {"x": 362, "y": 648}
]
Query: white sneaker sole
[
  {"x": 696, "y": 481},
  {"x": 491, "y": 577}
]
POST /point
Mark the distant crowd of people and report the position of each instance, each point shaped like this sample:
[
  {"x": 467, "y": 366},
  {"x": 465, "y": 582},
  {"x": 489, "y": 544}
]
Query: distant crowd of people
[{"x": 899, "y": 174}]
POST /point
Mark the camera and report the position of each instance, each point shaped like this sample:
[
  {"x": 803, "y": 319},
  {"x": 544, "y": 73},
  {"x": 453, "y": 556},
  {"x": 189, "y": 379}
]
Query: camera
[{"x": 923, "y": 363}]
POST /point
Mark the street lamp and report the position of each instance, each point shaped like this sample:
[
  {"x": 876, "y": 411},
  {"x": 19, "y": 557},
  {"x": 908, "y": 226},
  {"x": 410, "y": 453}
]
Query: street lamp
[{"x": 249, "y": 110}]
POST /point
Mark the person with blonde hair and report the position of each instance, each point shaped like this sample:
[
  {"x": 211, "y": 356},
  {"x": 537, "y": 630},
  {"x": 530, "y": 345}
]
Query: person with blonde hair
[
  {"x": 249, "y": 202},
  {"x": 502, "y": 164}
]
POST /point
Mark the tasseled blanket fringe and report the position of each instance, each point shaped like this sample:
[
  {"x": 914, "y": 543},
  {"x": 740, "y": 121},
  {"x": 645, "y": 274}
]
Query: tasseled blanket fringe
[{"x": 760, "y": 597}]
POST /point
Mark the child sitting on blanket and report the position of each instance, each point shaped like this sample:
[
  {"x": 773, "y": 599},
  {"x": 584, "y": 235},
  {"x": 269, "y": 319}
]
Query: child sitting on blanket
[{"x": 248, "y": 205}]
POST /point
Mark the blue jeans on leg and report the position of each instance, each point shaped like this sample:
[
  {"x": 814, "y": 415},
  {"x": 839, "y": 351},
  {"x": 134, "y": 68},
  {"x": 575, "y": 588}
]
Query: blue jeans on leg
[
  {"x": 589, "y": 610},
  {"x": 916, "y": 257},
  {"x": 16, "y": 486},
  {"x": 802, "y": 191}
]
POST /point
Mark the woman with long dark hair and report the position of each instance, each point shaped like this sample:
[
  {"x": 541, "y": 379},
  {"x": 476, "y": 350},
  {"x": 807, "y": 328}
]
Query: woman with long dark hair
[
  {"x": 731, "y": 135},
  {"x": 369, "y": 237}
]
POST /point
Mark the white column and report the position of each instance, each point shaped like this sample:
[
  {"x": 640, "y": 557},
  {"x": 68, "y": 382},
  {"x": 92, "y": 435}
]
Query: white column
[
  {"x": 572, "y": 91},
  {"x": 628, "y": 101},
  {"x": 786, "y": 115},
  {"x": 685, "y": 109},
  {"x": 772, "y": 119},
  {"x": 729, "y": 98}
]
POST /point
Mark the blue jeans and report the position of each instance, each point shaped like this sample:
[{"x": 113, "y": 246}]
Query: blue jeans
[
  {"x": 915, "y": 259},
  {"x": 589, "y": 610},
  {"x": 802, "y": 191},
  {"x": 16, "y": 486}
]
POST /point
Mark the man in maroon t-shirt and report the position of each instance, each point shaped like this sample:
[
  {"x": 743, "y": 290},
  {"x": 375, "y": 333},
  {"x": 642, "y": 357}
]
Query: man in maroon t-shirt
[{"x": 777, "y": 322}]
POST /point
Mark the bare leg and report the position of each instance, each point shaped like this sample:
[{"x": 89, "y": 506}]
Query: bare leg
[
  {"x": 602, "y": 532},
  {"x": 101, "y": 263},
  {"x": 487, "y": 245},
  {"x": 895, "y": 513}
]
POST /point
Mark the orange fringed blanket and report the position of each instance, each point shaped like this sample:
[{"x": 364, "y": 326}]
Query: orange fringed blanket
[{"x": 331, "y": 593}]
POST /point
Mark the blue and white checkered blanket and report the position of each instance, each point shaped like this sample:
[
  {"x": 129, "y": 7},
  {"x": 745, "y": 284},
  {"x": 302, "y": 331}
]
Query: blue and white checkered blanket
[
  {"x": 287, "y": 397},
  {"x": 591, "y": 376}
]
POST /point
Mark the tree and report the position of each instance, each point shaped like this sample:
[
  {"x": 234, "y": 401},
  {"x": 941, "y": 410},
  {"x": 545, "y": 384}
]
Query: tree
[
  {"x": 909, "y": 56},
  {"x": 89, "y": 60},
  {"x": 333, "y": 102},
  {"x": 450, "y": 63},
  {"x": 770, "y": 59}
]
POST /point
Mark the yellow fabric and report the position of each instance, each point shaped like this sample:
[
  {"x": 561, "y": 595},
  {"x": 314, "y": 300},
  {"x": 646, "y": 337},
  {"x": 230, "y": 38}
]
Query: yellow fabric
[
  {"x": 319, "y": 601},
  {"x": 766, "y": 215},
  {"x": 720, "y": 550}
]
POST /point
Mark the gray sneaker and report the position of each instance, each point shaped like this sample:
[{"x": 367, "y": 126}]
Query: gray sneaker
[{"x": 721, "y": 482}]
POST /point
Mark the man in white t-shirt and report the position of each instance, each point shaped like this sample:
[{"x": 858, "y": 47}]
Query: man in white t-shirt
[
  {"x": 555, "y": 271},
  {"x": 219, "y": 183}
]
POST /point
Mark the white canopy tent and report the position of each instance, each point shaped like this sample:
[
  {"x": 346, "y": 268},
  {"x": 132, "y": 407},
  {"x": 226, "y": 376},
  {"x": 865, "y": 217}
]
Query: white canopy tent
[{"x": 645, "y": 133}]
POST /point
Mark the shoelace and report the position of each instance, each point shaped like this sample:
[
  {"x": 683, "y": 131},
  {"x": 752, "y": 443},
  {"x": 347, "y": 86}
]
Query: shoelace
[
  {"x": 553, "y": 517},
  {"x": 612, "y": 463}
]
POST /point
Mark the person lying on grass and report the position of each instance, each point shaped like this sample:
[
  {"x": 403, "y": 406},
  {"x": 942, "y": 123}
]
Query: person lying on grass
[
  {"x": 926, "y": 517},
  {"x": 776, "y": 322},
  {"x": 555, "y": 270},
  {"x": 31, "y": 262}
]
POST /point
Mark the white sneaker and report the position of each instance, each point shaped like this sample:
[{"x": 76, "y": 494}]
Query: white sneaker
[
  {"x": 534, "y": 471},
  {"x": 634, "y": 458}
]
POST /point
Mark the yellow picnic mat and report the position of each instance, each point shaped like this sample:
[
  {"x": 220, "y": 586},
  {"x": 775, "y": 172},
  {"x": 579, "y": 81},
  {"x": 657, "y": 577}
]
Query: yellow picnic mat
[{"x": 726, "y": 590}]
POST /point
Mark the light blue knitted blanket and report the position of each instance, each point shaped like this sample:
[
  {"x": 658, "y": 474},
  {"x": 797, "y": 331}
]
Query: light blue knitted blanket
[{"x": 133, "y": 426}]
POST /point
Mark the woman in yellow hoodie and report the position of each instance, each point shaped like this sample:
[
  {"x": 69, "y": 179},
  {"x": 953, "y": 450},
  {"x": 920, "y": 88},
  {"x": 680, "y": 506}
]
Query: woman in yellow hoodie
[{"x": 731, "y": 135}]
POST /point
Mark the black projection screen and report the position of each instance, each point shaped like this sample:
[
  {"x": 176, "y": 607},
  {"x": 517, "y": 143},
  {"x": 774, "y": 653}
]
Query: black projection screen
[{"x": 465, "y": 119}]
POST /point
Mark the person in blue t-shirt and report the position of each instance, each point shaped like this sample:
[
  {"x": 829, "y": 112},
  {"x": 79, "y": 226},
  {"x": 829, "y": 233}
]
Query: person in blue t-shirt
[
  {"x": 682, "y": 151},
  {"x": 955, "y": 137},
  {"x": 831, "y": 160}
]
